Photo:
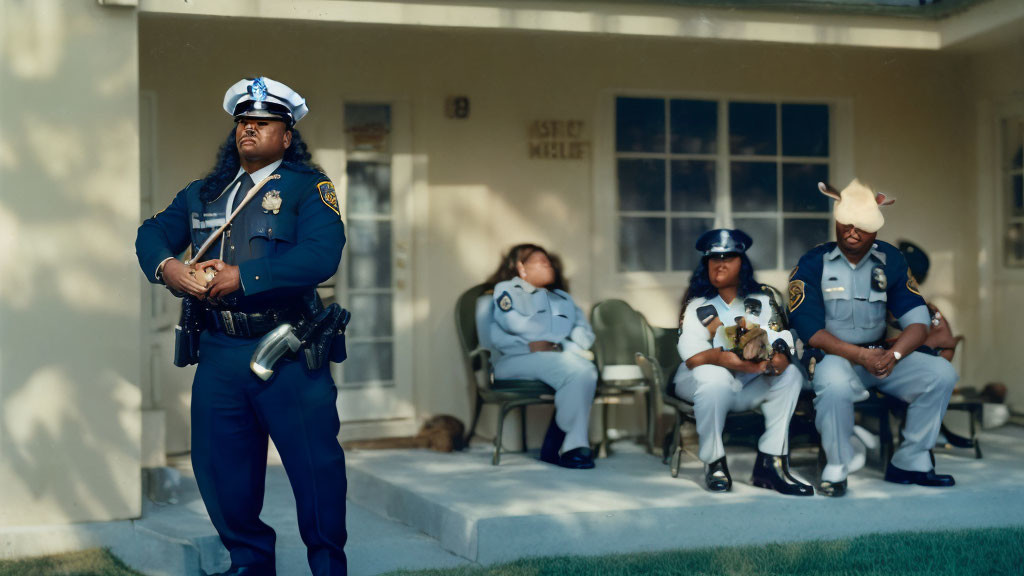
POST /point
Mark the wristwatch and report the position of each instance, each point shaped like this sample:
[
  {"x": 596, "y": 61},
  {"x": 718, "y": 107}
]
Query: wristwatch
[{"x": 897, "y": 355}]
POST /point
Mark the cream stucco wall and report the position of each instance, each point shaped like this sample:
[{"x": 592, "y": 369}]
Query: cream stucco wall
[
  {"x": 70, "y": 423},
  {"x": 910, "y": 124},
  {"x": 997, "y": 88}
]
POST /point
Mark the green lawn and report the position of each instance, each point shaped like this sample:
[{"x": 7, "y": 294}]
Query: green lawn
[
  {"x": 87, "y": 563},
  {"x": 992, "y": 552}
]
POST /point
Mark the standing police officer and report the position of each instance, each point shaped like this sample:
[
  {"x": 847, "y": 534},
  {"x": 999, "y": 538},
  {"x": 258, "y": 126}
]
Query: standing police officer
[
  {"x": 839, "y": 295},
  {"x": 268, "y": 262}
]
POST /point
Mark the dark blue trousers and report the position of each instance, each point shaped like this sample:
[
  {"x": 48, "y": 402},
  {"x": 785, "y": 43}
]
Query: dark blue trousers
[{"x": 233, "y": 414}]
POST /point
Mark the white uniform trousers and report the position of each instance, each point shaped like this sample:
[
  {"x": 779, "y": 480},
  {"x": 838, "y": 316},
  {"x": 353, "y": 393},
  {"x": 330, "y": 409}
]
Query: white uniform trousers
[
  {"x": 715, "y": 392},
  {"x": 925, "y": 382},
  {"x": 574, "y": 379}
]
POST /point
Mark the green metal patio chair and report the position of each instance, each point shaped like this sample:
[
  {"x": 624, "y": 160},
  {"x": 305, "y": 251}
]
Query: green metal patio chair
[
  {"x": 474, "y": 306},
  {"x": 621, "y": 333}
]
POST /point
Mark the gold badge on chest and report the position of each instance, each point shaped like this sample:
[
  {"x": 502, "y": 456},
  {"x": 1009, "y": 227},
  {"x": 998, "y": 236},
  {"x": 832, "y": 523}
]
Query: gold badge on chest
[{"x": 272, "y": 202}]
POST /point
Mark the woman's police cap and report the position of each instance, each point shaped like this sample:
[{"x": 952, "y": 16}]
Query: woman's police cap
[
  {"x": 723, "y": 241},
  {"x": 262, "y": 97}
]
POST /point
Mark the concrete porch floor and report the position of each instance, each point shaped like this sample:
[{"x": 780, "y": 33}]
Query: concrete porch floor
[
  {"x": 415, "y": 509},
  {"x": 630, "y": 503}
]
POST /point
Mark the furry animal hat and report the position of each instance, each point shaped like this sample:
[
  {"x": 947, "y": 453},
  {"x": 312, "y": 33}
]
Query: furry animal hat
[{"x": 858, "y": 205}]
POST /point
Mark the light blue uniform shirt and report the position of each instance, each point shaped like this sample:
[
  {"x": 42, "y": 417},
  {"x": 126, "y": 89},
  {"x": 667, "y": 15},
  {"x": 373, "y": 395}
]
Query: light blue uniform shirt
[{"x": 524, "y": 313}]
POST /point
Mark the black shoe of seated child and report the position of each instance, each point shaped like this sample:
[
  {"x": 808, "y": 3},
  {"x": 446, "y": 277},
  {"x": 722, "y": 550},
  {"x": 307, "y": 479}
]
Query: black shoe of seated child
[
  {"x": 929, "y": 478},
  {"x": 577, "y": 459},
  {"x": 772, "y": 472},
  {"x": 716, "y": 476},
  {"x": 552, "y": 443}
]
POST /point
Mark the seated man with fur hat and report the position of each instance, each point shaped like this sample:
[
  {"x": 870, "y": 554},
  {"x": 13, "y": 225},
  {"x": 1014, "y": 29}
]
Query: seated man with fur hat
[{"x": 839, "y": 294}]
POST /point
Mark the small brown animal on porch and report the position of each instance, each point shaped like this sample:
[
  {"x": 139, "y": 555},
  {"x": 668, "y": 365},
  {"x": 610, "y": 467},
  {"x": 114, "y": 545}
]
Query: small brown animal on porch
[{"x": 442, "y": 433}]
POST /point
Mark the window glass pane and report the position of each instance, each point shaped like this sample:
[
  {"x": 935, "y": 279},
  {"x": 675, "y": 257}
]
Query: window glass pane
[
  {"x": 1017, "y": 195},
  {"x": 641, "y": 184},
  {"x": 802, "y": 234},
  {"x": 369, "y": 254},
  {"x": 800, "y": 188},
  {"x": 641, "y": 244},
  {"x": 693, "y": 185},
  {"x": 368, "y": 127},
  {"x": 764, "y": 232},
  {"x": 1013, "y": 144},
  {"x": 694, "y": 126},
  {"x": 369, "y": 188},
  {"x": 685, "y": 232},
  {"x": 368, "y": 362},
  {"x": 374, "y": 315},
  {"x": 752, "y": 128},
  {"x": 640, "y": 125},
  {"x": 753, "y": 186},
  {"x": 805, "y": 130}
]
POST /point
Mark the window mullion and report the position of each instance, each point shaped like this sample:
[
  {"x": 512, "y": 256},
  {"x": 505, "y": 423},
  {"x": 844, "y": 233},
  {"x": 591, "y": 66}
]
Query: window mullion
[
  {"x": 668, "y": 186},
  {"x": 779, "y": 220}
]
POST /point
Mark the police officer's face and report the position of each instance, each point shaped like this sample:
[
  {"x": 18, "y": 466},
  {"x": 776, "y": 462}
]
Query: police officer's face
[
  {"x": 262, "y": 139},
  {"x": 724, "y": 270},
  {"x": 853, "y": 240},
  {"x": 537, "y": 269}
]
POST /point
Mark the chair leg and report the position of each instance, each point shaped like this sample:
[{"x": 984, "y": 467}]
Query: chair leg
[
  {"x": 522, "y": 425},
  {"x": 476, "y": 418},
  {"x": 676, "y": 448},
  {"x": 975, "y": 417},
  {"x": 652, "y": 418},
  {"x": 602, "y": 449},
  {"x": 502, "y": 412},
  {"x": 886, "y": 448}
]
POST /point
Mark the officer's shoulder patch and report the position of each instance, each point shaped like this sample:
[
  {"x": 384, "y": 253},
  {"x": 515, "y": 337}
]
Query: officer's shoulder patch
[
  {"x": 796, "y": 294},
  {"x": 912, "y": 283},
  {"x": 329, "y": 196},
  {"x": 505, "y": 302}
]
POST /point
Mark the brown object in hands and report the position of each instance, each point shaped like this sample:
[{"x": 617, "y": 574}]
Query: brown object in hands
[
  {"x": 441, "y": 433},
  {"x": 203, "y": 274}
]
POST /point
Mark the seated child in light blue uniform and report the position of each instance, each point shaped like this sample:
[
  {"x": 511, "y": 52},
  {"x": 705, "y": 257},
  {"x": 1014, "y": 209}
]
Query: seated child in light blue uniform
[{"x": 539, "y": 333}]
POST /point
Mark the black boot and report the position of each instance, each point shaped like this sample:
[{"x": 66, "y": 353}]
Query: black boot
[
  {"x": 716, "y": 476},
  {"x": 552, "y": 443},
  {"x": 773, "y": 472}
]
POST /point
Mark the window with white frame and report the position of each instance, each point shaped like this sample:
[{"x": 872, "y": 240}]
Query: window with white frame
[
  {"x": 1012, "y": 169},
  {"x": 685, "y": 165}
]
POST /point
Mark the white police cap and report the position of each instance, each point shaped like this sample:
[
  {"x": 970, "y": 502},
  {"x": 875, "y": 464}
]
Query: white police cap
[
  {"x": 724, "y": 241},
  {"x": 264, "y": 98}
]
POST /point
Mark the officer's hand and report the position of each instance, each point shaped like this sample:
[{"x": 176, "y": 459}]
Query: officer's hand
[
  {"x": 779, "y": 363},
  {"x": 884, "y": 366},
  {"x": 871, "y": 360},
  {"x": 732, "y": 361},
  {"x": 226, "y": 281},
  {"x": 177, "y": 277}
]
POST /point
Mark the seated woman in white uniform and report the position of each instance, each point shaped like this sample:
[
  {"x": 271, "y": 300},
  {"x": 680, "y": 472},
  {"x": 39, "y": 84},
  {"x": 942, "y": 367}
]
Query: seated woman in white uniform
[
  {"x": 539, "y": 333},
  {"x": 717, "y": 380}
]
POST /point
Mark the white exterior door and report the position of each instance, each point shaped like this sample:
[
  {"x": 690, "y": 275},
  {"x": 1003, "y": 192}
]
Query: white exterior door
[{"x": 374, "y": 280}]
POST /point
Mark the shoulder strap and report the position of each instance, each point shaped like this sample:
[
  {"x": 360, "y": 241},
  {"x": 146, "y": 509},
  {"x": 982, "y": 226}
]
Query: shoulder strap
[{"x": 213, "y": 237}]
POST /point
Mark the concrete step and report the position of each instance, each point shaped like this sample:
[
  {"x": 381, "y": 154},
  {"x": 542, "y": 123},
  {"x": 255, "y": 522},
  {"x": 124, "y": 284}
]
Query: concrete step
[{"x": 630, "y": 503}]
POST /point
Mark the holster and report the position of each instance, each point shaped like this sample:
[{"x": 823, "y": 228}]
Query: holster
[
  {"x": 186, "y": 333},
  {"x": 327, "y": 337}
]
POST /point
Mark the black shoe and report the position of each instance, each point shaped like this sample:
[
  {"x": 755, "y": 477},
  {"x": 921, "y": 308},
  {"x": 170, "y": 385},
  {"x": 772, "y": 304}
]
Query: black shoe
[
  {"x": 577, "y": 459},
  {"x": 552, "y": 443},
  {"x": 255, "y": 570},
  {"x": 716, "y": 476},
  {"x": 832, "y": 489},
  {"x": 929, "y": 478},
  {"x": 773, "y": 472}
]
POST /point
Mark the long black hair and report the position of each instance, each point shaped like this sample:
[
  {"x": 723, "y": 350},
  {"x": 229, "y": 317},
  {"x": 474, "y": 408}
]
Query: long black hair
[
  {"x": 226, "y": 168},
  {"x": 701, "y": 287},
  {"x": 521, "y": 253}
]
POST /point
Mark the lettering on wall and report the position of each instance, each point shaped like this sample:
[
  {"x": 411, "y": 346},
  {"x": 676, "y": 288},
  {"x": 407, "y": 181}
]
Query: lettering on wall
[{"x": 557, "y": 140}]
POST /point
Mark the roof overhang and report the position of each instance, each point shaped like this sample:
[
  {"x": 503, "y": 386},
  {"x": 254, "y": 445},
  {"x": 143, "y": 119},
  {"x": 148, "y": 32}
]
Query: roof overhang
[{"x": 678, "y": 19}]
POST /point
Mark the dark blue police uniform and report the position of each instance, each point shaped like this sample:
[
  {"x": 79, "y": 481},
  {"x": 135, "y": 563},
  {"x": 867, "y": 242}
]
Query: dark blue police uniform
[{"x": 286, "y": 241}]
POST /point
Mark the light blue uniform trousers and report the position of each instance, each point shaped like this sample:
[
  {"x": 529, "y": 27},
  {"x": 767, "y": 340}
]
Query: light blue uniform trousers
[
  {"x": 715, "y": 392},
  {"x": 923, "y": 381},
  {"x": 574, "y": 379}
]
